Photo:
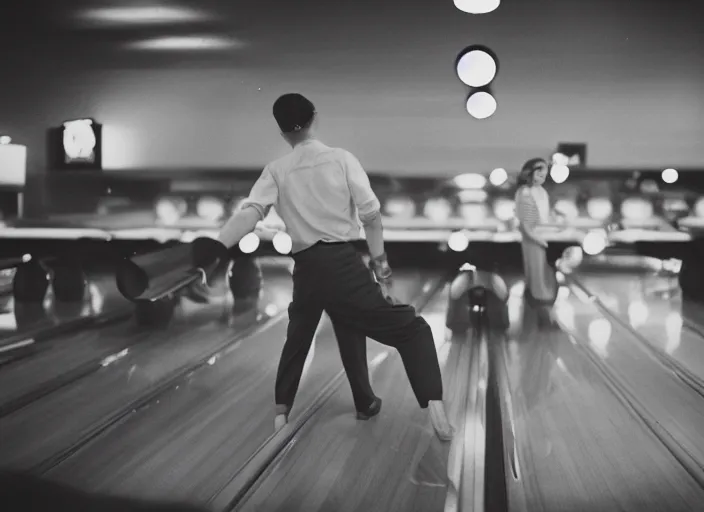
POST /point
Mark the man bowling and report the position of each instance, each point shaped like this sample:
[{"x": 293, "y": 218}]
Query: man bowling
[{"x": 322, "y": 194}]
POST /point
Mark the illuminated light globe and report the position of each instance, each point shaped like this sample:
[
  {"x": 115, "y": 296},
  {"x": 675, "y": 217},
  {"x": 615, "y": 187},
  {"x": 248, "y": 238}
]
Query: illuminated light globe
[
  {"x": 699, "y": 207},
  {"x": 4, "y": 140},
  {"x": 477, "y": 6},
  {"x": 560, "y": 159},
  {"x": 670, "y": 176},
  {"x": 401, "y": 207},
  {"x": 249, "y": 243},
  {"x": 473, "y": 213},
  {"x": 600, "y": 208},
  {"x": 476, "y": 68},
  {"x": 635, "y": 209},
  {"x": 458, "y": 242},
  {"x": 559, "y": 173},
  {"x": 169, "y": 211},
  {"x": 595, "y": 242},
  {"x": 481, "y": 105},
  {"x": 470, "y": 181},
  {"x": 567, "y": 208},
  {"x": 437, "y": 209},
  {"x": 282, "y": 243},
  {"x": 498, "y": 177},
  {"x": 210, "y": 208},
  {"x": 504, "y": 209}
]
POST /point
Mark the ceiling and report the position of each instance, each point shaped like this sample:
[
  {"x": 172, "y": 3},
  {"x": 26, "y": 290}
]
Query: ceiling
[{"x": 370, "y": 33}]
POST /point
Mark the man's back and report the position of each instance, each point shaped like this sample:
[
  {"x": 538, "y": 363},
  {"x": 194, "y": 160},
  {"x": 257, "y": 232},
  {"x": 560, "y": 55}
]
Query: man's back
[{"x": 321, "y": 192}]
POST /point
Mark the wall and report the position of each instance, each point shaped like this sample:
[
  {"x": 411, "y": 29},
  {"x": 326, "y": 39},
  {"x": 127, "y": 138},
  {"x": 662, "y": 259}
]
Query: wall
[{"x": 628, "y": 84}]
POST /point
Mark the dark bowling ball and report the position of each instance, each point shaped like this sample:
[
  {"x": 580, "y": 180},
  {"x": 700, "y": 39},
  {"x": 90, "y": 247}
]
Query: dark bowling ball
[
  {"x": 691, "y": 273},
  {"x": 245, "y": 278},
  {"x": 69, "y": 282},
  {"x": 156, "y": 313},
  {"x": 29, "y": 314},
  {"x": 207, "y": 251},
  {"x": 30, "y": 282}
]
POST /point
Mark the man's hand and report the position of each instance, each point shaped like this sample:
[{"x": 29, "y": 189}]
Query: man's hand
[{"x": 382, "y": 273}]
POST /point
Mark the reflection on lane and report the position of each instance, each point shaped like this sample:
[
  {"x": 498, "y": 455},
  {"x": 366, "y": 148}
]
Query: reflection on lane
[
  {"x": 652, "y": 305},
  {"x": 578, "y": 447}
]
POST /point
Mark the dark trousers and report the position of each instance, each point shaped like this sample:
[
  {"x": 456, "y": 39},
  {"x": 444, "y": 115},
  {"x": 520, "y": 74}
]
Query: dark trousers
[{"x": 331, "y": 277}]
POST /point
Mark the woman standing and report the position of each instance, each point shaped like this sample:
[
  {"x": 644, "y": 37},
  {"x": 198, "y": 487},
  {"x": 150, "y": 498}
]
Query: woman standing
[{"x": 532, "y": 210}]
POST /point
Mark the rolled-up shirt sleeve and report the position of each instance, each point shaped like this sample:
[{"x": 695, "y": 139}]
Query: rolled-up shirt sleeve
[
  {"x": 364, "y": 198},
  {"x": 263, "y": 195}
]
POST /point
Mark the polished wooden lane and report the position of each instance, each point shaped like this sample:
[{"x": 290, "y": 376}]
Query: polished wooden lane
[
  {"x": 577, "y": 447},
  {"x": 674, "y": 408},
  {"x": 342, "y": 465},
  {"x": 54, "y": 423},
  {"x": 652, "y": 305},
  {"x": 195, "y": 438}
]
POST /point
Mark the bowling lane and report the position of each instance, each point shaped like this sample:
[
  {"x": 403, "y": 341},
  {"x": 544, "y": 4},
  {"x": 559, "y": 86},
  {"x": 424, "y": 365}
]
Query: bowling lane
[
  {"x": 673, "y": 409},
  {"x": 339, "y": 463},
  {"x": 49, "y": 426},
  {"x": 194, "y": 438},
  {"x": 652, "y": 305},
  {"x": 577, "y": 447},
  {"x": 19, "y": 321}
]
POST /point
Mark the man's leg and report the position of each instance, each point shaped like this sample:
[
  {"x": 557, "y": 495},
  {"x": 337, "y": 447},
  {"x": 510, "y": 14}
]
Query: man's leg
[
  {"x": 354, "y": 300},
  {"x": 353, "y": 351},
  {"x": 304, "y": 315}
]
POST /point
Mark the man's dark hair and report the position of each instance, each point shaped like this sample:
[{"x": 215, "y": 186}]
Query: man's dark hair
[{"x": 293, "y": 112}]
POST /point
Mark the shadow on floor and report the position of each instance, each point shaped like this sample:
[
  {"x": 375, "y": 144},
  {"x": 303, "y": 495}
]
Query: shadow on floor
[{"x": 24, "y": 493}]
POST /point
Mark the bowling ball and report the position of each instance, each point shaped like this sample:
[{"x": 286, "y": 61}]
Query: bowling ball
[
  {"x": 69, "y": 283},
  {"x": 207, "y": 252},
  {"x": 30, "y": 282},
  {"x": 245, "y": 277}
]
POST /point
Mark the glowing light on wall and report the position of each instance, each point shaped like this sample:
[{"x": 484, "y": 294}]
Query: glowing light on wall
[
  {"x": 210, "y": 208},
  {"x": 504, "y": 209},
  {"x": 473, "y": 213},
  {"x": 186, "y": 43},
  {"x": 670, "y": 176},
  {"x": 699, "y": 207},
  {"x": 481, "y": 105},
  {"x": 559, "y": 173},
  {"x": 148, "y": 15},
  {"x": 401, "y": 207},
  {"x": 498, "y": 177},
  {"x": 170, "y": 209},
  {"x": 5, "y": 139},
  {"x": 477, "y": 6},
  {"x": 635, "y": 209},
  {"x": 470, "y": 181},
  {"x": 600, "y": 208},
  {"x": 437, "y": 209}
]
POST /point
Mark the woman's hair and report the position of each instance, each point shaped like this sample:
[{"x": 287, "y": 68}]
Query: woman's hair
[
  {"x": 527, "y": 171},
  {"x": 293, "y": 112}
]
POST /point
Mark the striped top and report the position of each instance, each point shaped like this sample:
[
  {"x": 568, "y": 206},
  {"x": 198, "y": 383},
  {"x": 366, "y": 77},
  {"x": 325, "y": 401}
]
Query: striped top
[
  {"x": 321, "y": 194},
  {"x": 532, "y": 206}
]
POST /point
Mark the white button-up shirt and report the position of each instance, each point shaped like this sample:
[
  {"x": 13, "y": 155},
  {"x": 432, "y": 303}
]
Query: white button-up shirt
[{"x": 321, "y": 194}]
